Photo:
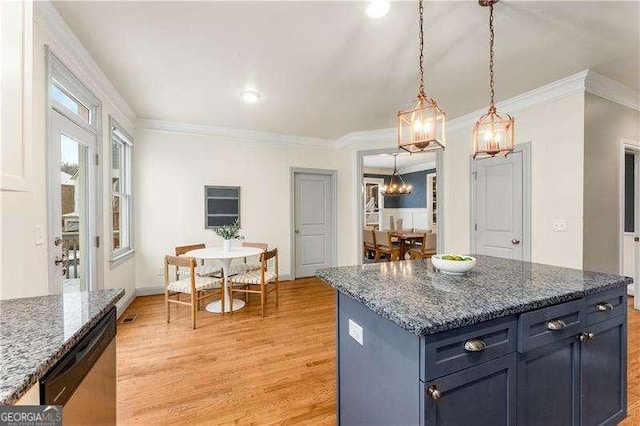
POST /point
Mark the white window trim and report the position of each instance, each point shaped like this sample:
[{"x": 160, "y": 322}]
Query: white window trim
[{"x": 121, "y": 135}]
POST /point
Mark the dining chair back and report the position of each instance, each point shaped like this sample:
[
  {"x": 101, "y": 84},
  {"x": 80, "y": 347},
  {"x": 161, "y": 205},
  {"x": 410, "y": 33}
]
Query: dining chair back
[
  {"x": 384, "y": 246},
  {"x": 201, "y": 268},
  {"x": 426, "y": 249},
  {"x": 247, "y": 282},
  {"x": 368, "y": 240},
  {"x": 197, "y": 287}
]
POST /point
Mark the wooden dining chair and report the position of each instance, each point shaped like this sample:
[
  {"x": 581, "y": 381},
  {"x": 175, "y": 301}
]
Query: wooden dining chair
[
  {"x": 265, "y": 278},
  {"x": 197, "y": 287},
  {"x": 426, "y": 249},
  {"x": 384, "y": 246},
  {"x": 249, "y": 266},
  {"x": 369, "y": 242},
  {"x": 201, "y": 269}
]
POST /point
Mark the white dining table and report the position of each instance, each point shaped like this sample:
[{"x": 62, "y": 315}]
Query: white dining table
[{"x": 223, "y": 258}]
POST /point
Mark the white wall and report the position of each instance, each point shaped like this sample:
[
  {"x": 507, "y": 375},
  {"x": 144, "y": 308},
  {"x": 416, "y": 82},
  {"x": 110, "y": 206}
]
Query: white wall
[
  {"x": 556, "y": 132},
  {"x": 24, "y": 271},
  {"x": 605, "y": 124},
  {"x": 171, "y": 172}
]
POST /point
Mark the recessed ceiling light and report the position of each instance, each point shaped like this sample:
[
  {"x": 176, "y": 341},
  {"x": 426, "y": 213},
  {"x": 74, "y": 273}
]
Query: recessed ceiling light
[
  {"x": 378, "y": 8},
  {"x": 250, "y": 97}
]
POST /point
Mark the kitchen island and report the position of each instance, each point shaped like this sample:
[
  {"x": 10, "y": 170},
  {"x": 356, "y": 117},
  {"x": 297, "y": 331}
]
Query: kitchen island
[
  {"x": 37, "y": 332},
  {"x": 508, "y": 343}
]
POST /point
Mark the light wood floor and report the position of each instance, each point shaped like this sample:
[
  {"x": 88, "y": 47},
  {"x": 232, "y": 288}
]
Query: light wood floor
[{"x": 243, "y": 369}]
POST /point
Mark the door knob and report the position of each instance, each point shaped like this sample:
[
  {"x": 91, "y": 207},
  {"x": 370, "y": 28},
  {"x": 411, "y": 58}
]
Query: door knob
[
  {"x": 297, "y": 231},
  {"x": 636, "y": 239},
  {"x": 57, "y": 241},
  {"x": 60, "y": 260},
  {"x": 515, "y": 242}
]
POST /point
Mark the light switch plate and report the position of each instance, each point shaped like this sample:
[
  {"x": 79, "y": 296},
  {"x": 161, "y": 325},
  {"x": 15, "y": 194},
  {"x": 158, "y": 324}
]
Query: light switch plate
[
  {"x": 38, "y": 235},
  {"x": 356, "y": 332},
  {"x": 559, "y": 225}
]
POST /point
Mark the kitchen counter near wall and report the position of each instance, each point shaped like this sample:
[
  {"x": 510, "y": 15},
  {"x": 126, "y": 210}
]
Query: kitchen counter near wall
[{"x": 36, "y": 332}]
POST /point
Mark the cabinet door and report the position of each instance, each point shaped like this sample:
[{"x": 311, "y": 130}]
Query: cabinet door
[
  {"x": 16, "y": 53},
  {"x": 604, "y": 373},
  {"x": 480, "y": 395},
  {"x": 549, "y": 384}
]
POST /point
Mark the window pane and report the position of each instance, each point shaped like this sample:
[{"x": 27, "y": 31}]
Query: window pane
[
  {"x": 222, "y": 206},
  {"x": 116, "y": 169},
  {"x": 222, "y": 192},
  {"x": 69, "y": 102},
  {"x": 117, "y": 221}
]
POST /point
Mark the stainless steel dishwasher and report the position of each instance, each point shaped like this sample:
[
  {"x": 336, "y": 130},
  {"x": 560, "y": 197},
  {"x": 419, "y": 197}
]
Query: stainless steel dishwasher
[{"x": 84, "y": 380}]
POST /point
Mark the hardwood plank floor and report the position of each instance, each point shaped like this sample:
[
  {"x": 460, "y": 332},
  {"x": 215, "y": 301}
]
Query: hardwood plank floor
[{"x": 243, "y": 369}]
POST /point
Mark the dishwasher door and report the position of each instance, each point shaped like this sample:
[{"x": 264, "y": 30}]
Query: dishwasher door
[{"x": 84, "y": 380}]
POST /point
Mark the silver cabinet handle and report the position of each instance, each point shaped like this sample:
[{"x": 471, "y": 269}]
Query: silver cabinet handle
[
  {"x": 515, "y": 241},
  {"x": 556, "y": 325},
  {"x": 604, "y": 306},
  {"x": 475, "y": 345},
  {"x": 583, "y": 337},
  {"x": 297, "y": 231},
  {"x": 434, "y": 393}
]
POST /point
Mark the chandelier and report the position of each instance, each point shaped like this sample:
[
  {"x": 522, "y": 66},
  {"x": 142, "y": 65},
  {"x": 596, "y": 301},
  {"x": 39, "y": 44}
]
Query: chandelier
[
  {"x": 493, "y": 134},
  {"x": 396, "y": 185},
  {"x": 421, "y": 125}
]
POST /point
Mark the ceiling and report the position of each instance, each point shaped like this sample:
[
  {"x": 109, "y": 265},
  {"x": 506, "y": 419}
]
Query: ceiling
[
  {"x": 404, "y": 160},
  {"x": 324, "y": 69}
]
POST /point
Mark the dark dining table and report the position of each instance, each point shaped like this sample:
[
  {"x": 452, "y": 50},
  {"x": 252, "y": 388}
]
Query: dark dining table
[{"x": 407, "y": 239}]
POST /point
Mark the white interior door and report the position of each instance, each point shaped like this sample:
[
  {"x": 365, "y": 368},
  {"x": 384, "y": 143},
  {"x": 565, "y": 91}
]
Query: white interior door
[
  {"x": 499, "y": 206},
  {"x": 313, "y": 222},
  {"x": 72, "y": 206}
]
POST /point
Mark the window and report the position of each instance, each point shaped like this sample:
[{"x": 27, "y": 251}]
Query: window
[
  {"x": 222, "y": 205},
  {"x": 122, "y": 230},
  {"x": 629, "y": 193},
  {"x": 63, "y": 97}
]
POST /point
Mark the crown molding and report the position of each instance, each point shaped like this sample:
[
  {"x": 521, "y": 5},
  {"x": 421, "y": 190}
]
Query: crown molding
[
  {"x": 581, "y": 82},
  {"x": 74, "y": 52},
  {"x": 417, "y": 168},
  {"x": 610, "y": 89},
  {"x": 230, "y": 133}
]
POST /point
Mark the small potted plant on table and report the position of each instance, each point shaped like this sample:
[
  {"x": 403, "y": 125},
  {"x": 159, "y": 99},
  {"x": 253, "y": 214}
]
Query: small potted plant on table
[{"x": 228, "y": 233}]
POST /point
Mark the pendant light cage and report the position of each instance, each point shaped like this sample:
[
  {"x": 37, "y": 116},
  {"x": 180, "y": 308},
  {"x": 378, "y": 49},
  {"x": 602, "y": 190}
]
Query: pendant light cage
[
  {"x": 493, "y": 134},
  {"x": 421, "y": 124},
  {"x": 396, "y": 186}
]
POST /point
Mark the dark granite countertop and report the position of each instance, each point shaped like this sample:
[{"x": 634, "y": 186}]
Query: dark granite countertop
[
  {"x": 424, "y": 301},
  {"x": 35, "y": 332}
]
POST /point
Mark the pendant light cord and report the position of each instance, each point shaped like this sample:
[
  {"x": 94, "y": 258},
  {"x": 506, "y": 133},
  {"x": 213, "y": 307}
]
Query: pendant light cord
[
  {"x": 421, "y": 93},
  {"x": 491, "y": 41}
]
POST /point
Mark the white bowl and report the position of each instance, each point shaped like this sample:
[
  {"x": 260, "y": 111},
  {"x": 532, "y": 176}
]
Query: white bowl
[{"x": 453, "y": 267}]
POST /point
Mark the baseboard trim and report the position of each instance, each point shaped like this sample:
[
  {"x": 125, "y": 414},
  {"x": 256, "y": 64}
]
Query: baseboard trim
[
  {"x": 124, "y": 303},
  {"x": 150, "y": 291}
]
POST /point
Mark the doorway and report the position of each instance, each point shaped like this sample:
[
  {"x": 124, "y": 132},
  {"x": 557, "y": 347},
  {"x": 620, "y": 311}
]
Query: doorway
[
  {"x": 314, "y": 219},
  {"x": 630, "y": 216},
  {"x": 416, "y": 210},
  {"x": 501, "y": 206},
  {"x": 73, "y": 182}
]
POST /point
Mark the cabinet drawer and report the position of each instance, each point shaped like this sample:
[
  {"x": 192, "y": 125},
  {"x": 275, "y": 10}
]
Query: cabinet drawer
[
  {"x": 548, "y": 325},
  {"x": 455, "y": 350},
  {"x": 605, "y": 305}
]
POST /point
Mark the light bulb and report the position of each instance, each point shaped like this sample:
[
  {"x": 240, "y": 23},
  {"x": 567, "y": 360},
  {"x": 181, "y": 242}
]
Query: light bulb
[
  {"x": 378, "y": 8},
  {"x": 417, "y": 125},
  {"x": 250, "y": 97}
]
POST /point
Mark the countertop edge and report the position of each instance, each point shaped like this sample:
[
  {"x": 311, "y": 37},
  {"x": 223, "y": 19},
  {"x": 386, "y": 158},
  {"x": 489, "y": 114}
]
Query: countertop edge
[
  {"x": 33, "y": 377},
  {"x": 475, "y": 319}
]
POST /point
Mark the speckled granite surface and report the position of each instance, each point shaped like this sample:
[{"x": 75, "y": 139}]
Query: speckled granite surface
[
  {"x": 36, "y": 332},
  {"x": 425, "y": 301}
]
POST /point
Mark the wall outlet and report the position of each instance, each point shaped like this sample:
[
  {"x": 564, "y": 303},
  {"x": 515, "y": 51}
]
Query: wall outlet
[
  {"x": 559, "y": 225},
  {"x": 38, "y": 235},
  {"x": 356, "y": 332}
]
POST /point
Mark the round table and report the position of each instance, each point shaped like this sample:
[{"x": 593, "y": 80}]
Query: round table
[{"x": 224, "y": 258}]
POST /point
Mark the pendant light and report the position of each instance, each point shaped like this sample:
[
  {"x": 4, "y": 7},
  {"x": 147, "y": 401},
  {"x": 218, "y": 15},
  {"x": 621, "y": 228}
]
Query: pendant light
[
  {"x": 421, "y": 125},
  {"x": 493, "y": 134},
  {"x": 396, "y": 185}
]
